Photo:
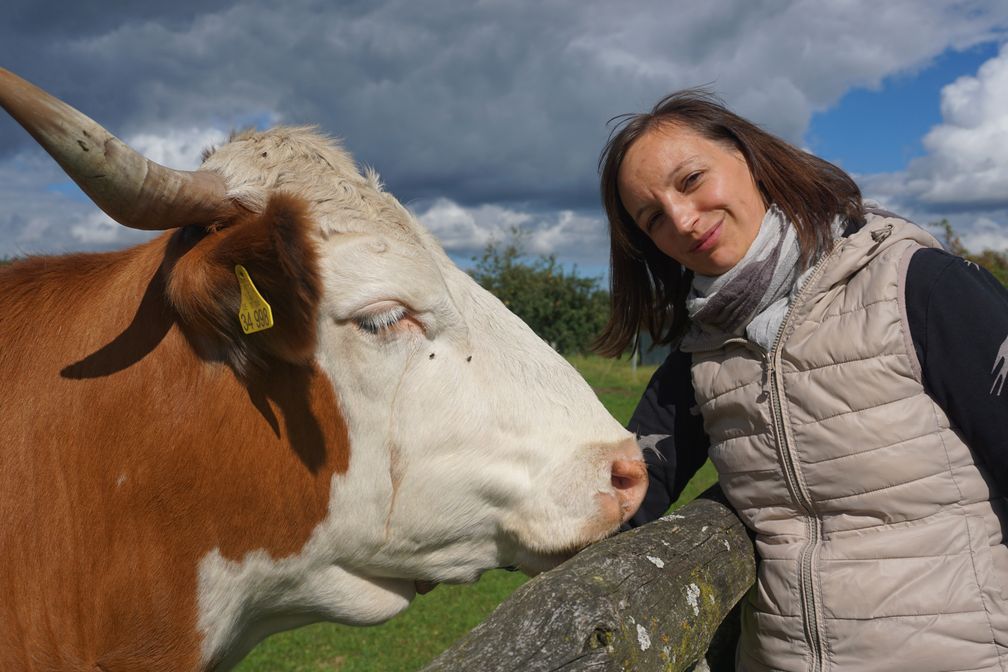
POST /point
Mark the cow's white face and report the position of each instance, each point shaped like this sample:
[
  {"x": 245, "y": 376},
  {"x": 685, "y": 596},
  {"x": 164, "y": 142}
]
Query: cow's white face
[
  {"x": 488, "y": 448},
  {"x": 473, "y": 444}
]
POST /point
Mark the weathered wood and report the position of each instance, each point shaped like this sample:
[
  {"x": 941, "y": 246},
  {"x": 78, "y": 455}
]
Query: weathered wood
[{"x": 649, "y": 599}]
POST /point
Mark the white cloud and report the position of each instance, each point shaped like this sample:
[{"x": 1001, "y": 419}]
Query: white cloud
[
  {"x": 178, "y": 148},
  {"x": 977, "y": 228},
  {"x": 468, "y": 230},
  {"x": 967, "y": 161},
  {"x": 95, "y": 230},
  {"x": 45, "y": 212},
  {"x": 986, "y": 233},
  {"x": 464, "y": 231},
  {"x": 964, "y": 175},
  {"x": 35, "y": 215},
  {"x": 571, "y": 234}
]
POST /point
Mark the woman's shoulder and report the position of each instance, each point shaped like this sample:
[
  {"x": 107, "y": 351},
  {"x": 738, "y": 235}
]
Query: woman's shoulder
[
  {"x": 937, "y": 279},
  {"x": 881, "y": 225},
  {"x": 672, "y": 382}
]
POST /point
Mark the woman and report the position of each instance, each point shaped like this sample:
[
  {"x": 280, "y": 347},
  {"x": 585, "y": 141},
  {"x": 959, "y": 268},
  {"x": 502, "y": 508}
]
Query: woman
[{"x": 843, "y": 373}]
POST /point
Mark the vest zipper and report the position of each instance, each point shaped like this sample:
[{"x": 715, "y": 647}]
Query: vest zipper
[
  {"x": 813, "y": 525},
  {"x": 810, "y": 619}
]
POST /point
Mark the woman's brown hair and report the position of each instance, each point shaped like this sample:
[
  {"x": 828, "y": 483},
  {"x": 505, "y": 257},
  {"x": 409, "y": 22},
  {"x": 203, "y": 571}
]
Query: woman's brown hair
[{"x": 647, "y": 288}]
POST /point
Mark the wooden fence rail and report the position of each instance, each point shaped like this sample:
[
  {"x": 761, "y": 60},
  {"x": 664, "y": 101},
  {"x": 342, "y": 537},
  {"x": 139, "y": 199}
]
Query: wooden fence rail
[{"x": 646, "y": 600}]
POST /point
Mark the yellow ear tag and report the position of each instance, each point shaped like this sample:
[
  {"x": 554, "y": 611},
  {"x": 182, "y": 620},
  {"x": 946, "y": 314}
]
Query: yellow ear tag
[{"x": 254, "y": 313}]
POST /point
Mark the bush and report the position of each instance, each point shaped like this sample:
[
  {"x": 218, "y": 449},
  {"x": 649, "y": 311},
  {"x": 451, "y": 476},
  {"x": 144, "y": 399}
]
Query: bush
[
  {"x": 995, "y": 262},
  {"x": 564, "y": 309}
]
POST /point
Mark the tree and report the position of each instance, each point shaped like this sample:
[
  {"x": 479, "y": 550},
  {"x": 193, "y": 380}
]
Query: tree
[
  {"x": 564, "y": 309},
  {"x": 993, "y": 261}
]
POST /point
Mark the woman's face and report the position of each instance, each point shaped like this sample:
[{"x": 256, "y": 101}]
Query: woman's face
[{"x": 693, "y": 197}]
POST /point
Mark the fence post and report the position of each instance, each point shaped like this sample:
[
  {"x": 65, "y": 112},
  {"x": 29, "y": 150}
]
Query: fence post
[{"x": 646, "y": 600}]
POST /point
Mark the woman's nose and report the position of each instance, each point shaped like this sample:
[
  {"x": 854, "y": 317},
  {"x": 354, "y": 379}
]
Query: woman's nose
[{"x": 680, "y": 213}]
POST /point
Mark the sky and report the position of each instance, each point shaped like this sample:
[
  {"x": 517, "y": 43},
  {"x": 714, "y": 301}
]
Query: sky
[{"x": 483, "y": 117}]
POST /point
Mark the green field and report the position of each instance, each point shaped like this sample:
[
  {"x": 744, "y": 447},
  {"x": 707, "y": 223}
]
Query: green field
[{"x": 435, "y": 620}]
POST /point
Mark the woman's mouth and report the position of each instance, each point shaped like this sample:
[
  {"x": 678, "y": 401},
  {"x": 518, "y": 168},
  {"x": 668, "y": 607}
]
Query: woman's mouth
[{"x": 709, "y": 239}]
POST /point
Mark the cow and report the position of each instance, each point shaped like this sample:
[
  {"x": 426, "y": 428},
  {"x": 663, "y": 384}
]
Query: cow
[{"x": 289, "y": 407}]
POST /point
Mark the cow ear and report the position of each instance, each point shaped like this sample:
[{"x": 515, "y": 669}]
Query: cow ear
[{"x": 278, "y": 250}]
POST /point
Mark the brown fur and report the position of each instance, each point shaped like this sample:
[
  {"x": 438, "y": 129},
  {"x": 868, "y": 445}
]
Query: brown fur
[{"x": 141, "y": 430}]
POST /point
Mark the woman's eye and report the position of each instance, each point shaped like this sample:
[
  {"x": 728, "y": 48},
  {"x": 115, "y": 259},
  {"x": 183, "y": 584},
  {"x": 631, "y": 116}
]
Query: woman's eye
[
  {"x": 376, "y": 323},
  {"x": 691, "y": 179},
  {"x": 651, "y": 222}
]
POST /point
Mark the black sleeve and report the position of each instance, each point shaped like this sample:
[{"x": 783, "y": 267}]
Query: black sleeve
[
  {"x": 670, "y": 430},
  {"x": 958, "y": 315}
]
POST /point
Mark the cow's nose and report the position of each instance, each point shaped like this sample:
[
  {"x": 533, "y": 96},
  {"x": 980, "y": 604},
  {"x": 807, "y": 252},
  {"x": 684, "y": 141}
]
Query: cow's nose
[{"x": 629, "y": 480}]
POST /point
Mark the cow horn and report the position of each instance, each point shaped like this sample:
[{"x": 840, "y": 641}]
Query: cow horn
[{"x": 131, "y": 189}]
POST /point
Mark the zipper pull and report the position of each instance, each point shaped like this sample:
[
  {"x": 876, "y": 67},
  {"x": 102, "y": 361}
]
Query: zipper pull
[{"x": 878, "y": 235}]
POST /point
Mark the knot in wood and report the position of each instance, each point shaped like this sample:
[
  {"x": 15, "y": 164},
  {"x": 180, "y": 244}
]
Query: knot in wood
[{"x": 600, "y": 637}]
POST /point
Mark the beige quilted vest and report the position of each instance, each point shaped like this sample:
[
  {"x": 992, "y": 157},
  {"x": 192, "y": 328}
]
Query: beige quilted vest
[{"x": 879, "y": 536}]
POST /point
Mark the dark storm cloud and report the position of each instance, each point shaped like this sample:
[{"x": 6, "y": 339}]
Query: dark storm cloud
[
  {"x": 40, "y": 41},
  {"x": 489, "y": 103},
  {"x": 483, "y": 103}
]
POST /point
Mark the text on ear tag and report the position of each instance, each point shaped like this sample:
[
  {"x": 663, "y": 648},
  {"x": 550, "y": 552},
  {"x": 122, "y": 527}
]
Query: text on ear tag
[{"x": 253, "y": 313}]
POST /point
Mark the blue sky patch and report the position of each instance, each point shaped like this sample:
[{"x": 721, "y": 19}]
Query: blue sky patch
[{"x": 880, "y": 131}]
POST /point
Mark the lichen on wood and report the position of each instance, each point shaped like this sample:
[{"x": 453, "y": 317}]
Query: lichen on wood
[{"x": 648, "y": 599}]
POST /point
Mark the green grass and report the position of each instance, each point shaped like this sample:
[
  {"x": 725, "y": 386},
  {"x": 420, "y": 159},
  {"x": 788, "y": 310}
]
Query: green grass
[
  {"x": 434, "y": 621},
  {"x": 617, "y": 384},
  {"x": 407, "y": 642}
]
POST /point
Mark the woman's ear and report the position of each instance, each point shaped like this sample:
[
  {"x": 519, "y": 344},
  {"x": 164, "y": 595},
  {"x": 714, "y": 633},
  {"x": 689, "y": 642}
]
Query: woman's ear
[{"x": 278, "y": 256}]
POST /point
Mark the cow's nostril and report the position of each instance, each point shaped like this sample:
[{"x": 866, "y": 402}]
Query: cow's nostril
[
  {"x": 627, "y": 474},
  {"x": 621, "y": 482},
  {"x": 629, "y": 480}
]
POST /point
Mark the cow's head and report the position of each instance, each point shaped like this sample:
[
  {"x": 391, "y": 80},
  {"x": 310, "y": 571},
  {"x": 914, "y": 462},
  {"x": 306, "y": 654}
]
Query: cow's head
[{"x": 473, "y": 444}]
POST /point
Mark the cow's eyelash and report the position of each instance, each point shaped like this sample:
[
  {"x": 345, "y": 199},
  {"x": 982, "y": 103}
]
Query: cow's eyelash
[{"x": 376, "y": 323}]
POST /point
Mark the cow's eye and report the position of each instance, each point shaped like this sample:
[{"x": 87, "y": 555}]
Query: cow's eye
[{"x": 380, "y": 322}]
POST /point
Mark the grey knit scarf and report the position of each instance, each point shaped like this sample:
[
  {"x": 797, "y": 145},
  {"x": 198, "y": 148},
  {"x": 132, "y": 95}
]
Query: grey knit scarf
[{"x": 752, "y": 297}]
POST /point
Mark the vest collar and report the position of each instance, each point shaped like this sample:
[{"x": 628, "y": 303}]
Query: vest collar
[{"x": 853, "y": 251}]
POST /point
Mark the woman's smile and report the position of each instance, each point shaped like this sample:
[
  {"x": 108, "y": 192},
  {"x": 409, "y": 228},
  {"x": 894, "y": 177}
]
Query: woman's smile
[{"x": 709, "y": 239}]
